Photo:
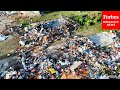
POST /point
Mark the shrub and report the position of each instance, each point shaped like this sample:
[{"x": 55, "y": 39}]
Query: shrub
[
  {"x": 24, "y": 22},
  {"x": 99, "y": 17},
  {"x": 89, "y": 22},
  {"x": 81, "y": 21}
]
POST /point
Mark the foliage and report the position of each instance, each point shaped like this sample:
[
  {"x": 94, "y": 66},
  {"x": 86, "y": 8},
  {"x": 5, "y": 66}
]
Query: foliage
[
  {"x": 89, "y": 22},
  {"x": 99, "y": 17},
  {"x": 87, "y": 19},
  {"x": 24, "y": 22},
  {"x": 79, "y": 19}
]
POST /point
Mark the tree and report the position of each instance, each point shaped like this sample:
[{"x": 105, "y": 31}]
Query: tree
[
  {"x": 76, "y": 18},
  {"x": 79, "y": 19}
]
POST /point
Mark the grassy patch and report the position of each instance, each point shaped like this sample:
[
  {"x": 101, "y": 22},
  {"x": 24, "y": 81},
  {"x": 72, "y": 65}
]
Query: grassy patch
[
  {"x": 89, "y": 30},
  {"x": 57, "y": 14}
]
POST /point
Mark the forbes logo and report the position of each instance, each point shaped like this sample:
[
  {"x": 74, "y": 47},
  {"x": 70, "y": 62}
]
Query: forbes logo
[
  {"x": 110, "y": 20},
  {"x": 110, "y": 17}
]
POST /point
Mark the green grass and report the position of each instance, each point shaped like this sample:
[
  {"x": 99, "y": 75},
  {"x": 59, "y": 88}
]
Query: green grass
[
  {"x": 89, "y": 30},
  {"x": 57, "y": 14},
  {"x": 66, "y": 13}
]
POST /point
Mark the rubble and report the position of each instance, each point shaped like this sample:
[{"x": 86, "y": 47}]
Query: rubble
[
  {"x": 3, "y": 37},
  {"x": 39, "y": 61}
]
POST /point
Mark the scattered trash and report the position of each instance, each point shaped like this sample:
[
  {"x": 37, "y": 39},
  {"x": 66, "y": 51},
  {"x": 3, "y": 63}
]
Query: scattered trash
[
  {"x": 78, "y": 57},
  {"x": 3, "y": 37}
]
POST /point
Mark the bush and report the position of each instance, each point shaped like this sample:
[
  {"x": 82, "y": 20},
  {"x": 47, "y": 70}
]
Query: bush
[
  {"x": 88, "y": 20},
  {"x": 99, "y": 17},
  {"x": 79, "y": 19},
  {"x": 89, "y": 23},
  {"x": 95, "y": 20},
  {"x": 24, "y": 22},
  {"x": 76, "y": 18}
]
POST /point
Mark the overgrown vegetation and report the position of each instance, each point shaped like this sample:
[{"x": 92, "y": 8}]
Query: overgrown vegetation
[
  {"x": 87, "y": 19},
  {"x": 89, "y": 23},
  {"x": 24, "y": 22},
  {"x": 50, "y": 15},
  {"x": 89, "y": 30}
]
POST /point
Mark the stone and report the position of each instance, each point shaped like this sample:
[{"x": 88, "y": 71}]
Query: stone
[{"x": 8, "y": 62}]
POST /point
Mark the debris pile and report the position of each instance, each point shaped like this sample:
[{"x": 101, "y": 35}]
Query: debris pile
[{"x": 78, "y": 57}]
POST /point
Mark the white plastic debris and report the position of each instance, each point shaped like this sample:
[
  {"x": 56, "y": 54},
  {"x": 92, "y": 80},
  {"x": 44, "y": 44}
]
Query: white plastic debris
[{"x": 3, "y": 37}]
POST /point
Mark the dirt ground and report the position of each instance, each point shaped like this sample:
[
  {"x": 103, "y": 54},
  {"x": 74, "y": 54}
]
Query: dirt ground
[
  {"x": 11, "y": 43},
  {"x": 8, "y": 46},
  {"x": 3, "y": 21}
]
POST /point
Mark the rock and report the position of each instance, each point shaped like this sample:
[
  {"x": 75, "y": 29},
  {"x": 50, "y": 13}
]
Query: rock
[
  {"x": 4, "y": 21},
  {"x": 8, "y": 62}
]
